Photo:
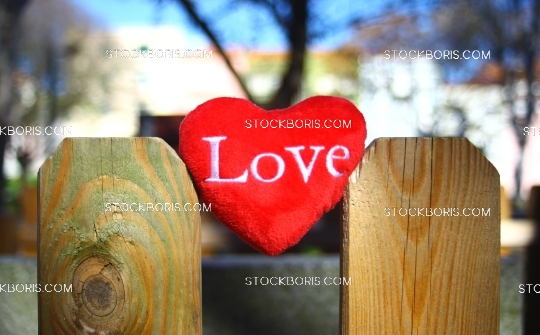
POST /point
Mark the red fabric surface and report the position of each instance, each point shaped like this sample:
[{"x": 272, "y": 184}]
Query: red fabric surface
[{"x": 273, "y": 200}]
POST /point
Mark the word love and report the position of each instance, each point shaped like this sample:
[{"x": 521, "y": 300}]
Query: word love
[{"x": 337, "y": 152}]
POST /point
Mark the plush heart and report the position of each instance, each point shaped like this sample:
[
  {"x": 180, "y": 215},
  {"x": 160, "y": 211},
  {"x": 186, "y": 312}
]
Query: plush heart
[{"x": 269, "y": 176}]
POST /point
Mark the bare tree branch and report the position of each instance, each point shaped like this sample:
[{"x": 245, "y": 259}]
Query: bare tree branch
[{"x": 205, "y": 27}]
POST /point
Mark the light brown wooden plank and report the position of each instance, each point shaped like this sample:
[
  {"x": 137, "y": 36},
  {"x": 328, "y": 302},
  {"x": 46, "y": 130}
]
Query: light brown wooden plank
[
  {"x": 506, "y": 205},
  {"x": 429, "y": 275},
  {"x": 132, "y": 272}
]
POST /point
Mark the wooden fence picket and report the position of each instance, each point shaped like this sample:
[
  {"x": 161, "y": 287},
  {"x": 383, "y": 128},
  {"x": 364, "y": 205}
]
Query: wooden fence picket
[
  {"x": 138, "y": 272},
  {"x": 132, "y": 271},
  {"x": 416, "y": 274}
]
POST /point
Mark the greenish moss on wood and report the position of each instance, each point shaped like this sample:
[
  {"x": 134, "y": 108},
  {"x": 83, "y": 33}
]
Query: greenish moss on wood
[{"x": 151, "y": 258}]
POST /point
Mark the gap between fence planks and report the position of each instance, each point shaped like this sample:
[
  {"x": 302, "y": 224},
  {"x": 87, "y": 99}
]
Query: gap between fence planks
[
  {"x": 421, "y": 274},
  {"x": 531, "y": 301},
  {"x": 133, "y": 272}
]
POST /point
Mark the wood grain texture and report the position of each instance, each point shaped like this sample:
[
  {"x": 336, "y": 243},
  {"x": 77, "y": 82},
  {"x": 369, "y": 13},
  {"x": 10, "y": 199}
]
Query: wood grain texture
[
  {"x": 429, "y": 275},
  {"x": 132, "y": 272}
]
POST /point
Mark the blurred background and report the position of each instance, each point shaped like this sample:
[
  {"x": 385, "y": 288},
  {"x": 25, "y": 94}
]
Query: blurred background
[{"x": 414, "y": 68}]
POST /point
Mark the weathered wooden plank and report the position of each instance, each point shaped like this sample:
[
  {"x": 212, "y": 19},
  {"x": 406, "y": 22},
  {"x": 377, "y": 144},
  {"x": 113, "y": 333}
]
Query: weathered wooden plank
[
  {"x": 417, "y": 266},
  {"x": 133, "y": 270}
]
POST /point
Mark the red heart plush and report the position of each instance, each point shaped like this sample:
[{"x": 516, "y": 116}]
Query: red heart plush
[{"x": 269, "y": 176}]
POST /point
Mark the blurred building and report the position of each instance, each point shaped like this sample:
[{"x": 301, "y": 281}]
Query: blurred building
[
  {"x": 153, "y": 70},
  {"x": 409, "y": 97},
  {"x": 325, "y": 73},
  {"x": 141, "y": 95}
]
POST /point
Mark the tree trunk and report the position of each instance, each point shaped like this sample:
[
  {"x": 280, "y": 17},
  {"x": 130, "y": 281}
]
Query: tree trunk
[
  {"x": 529, "y": 56},
  {"x": 297, "y": 37}
]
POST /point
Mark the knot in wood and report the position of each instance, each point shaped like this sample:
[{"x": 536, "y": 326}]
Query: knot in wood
[
  {"x": 99, "y": 292},
  {"x": 99, "y": 295}
]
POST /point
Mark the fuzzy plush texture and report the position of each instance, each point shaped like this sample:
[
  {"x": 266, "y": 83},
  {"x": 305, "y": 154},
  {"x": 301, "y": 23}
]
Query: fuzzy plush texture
[{"x": 271, "y": 202}]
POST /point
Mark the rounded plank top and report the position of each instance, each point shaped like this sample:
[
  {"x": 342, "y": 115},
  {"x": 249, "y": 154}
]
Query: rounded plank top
[{"x": 113, "y": 226}]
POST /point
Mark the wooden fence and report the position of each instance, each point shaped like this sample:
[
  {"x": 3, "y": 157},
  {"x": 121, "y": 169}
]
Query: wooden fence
[{"x": 420, "y": 240}]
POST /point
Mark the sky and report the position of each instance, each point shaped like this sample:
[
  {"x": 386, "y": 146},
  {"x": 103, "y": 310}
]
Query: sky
[
  {"x": 118, "y": 14},
  {"x": 250, "y": 28}
]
